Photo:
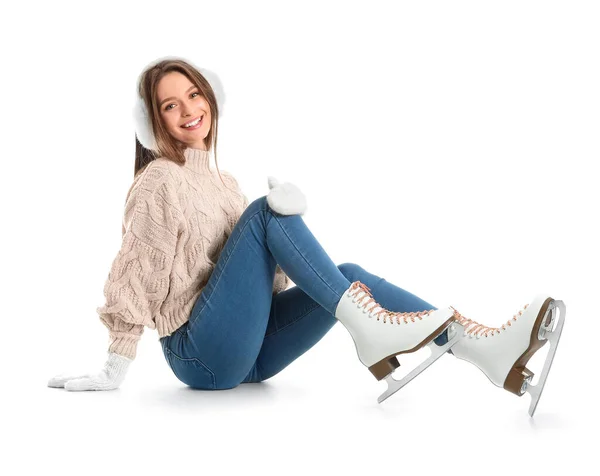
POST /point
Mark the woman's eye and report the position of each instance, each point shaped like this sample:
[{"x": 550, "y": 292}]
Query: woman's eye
[{"x": 168, "y": 105}]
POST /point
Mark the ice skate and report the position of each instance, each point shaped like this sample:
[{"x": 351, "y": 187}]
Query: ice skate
[
  {"x": 380, "y": 335},
  {"x": 502, "y": 353}
]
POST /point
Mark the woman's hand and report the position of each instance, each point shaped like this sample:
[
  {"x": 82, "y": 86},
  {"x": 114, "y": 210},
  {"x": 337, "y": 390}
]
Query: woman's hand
[
  {"x": 109, "y": 378},
  {"x": 285, "y": 198}
]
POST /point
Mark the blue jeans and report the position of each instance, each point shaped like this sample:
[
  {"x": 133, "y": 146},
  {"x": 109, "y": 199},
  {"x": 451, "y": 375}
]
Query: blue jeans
[{"x": 239, "y": 332}]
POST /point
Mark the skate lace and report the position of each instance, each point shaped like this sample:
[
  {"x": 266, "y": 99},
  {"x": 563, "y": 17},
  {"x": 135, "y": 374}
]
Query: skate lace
[
  {"x": 360, "y": 289},
  {"x": 475, "y": 329}
]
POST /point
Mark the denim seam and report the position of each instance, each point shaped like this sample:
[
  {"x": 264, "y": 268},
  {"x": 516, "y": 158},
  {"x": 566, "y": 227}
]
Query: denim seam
[
  {"x": 227, "y": 260},
  {"x": 295, "y": 320},
  {"x": 260, "y": 370},
  {"x": 202, "y": 364},
  {"x": 339, "y": 296}
]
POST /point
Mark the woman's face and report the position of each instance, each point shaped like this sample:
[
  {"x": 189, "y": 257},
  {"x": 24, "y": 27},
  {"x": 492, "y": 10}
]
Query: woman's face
[{"x": 179, "y": 103}]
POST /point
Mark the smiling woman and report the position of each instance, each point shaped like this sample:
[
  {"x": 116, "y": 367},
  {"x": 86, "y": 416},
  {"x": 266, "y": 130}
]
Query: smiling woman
[
  {"x": 172, "y": 93},
  {"x": 209, "y": 271},
  {"x": 184, "y": 110}
]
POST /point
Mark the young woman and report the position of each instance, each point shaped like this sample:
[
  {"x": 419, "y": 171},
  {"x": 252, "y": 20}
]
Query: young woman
[{"x": 210, "y": 271}]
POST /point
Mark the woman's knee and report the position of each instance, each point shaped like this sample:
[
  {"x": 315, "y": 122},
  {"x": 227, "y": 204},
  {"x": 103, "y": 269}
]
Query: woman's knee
[
  {"x": 258, "y": 203},
  {"x": 253, "y": 208},
  {"x": 351, "y": 271}
]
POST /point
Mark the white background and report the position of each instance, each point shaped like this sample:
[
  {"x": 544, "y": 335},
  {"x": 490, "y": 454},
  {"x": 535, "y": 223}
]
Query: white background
[{"x": 450, "y": 147}]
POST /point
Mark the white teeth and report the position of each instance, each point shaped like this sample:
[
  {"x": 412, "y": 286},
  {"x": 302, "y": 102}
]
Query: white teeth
[{"x": 193, "y": 123}]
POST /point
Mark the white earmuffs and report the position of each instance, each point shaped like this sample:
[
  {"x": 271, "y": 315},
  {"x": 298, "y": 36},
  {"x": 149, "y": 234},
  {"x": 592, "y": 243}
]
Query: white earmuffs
[{"x": 141, "y": 119}]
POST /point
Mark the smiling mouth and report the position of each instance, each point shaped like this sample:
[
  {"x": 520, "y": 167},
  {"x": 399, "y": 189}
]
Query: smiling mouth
[{"x": 198, "y": 124}]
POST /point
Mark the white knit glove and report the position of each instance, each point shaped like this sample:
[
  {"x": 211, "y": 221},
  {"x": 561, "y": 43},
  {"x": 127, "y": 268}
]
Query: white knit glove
[
  {"x": 109, "y": 378},
  {"x": 285, "y": 198}
]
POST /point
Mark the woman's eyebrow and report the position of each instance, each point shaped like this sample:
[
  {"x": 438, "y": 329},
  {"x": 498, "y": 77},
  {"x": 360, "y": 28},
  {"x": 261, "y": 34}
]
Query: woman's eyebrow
[{"x": 167, "y": 99}]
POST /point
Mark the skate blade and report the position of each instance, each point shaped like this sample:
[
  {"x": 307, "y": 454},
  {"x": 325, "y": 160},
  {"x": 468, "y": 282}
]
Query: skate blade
[
  {"x": 553, "y": 337},
  {"x": 436, "y": 352}
]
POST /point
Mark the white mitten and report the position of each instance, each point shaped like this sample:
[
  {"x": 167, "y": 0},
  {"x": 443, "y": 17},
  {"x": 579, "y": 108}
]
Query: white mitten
[
  {"x": 109, "y": 378},
  {"x": 285, "y": 198}
]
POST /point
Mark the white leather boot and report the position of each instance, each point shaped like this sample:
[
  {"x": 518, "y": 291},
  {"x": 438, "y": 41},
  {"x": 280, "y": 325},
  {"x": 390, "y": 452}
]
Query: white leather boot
[
  {"x": 380, "y": 335},
  {"x": 502, "y": 353}
]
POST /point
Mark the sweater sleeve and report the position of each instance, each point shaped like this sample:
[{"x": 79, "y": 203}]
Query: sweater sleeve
[
  {"x": 281, "y": 281},
  {"x": 139, "y": 278}
]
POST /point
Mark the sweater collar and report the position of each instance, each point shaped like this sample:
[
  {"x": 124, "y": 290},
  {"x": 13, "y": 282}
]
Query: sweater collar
[{"x": 197, "y": 160}]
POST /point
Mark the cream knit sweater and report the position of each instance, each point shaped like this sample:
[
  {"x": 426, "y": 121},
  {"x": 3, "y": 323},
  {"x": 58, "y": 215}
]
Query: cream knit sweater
[{"x": 176, "y": 222}]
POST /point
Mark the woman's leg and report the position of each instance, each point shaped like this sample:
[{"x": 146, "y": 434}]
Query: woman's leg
[
  {"x": 297, "y": 322},
  {"x": 218, "y": 346}
]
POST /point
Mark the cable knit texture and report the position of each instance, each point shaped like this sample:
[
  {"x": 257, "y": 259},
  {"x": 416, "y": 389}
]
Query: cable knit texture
[{"x": 177, "y": 220}]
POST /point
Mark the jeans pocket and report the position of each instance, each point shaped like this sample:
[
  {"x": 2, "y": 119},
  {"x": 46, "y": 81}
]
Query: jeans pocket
[{"x": 191, "y": 371}]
